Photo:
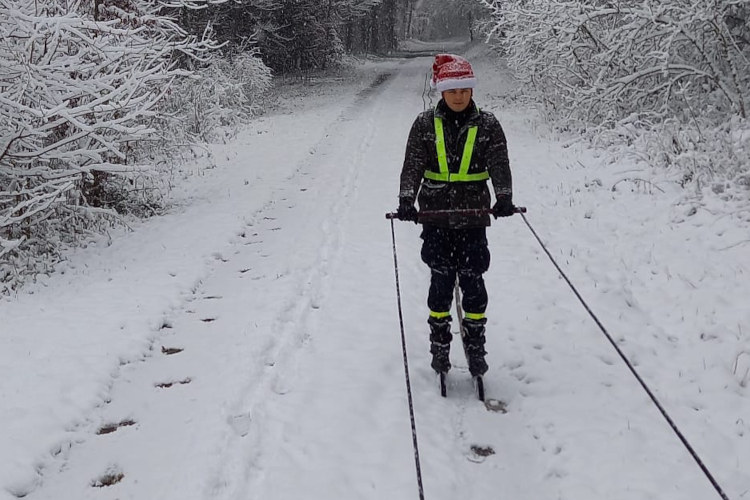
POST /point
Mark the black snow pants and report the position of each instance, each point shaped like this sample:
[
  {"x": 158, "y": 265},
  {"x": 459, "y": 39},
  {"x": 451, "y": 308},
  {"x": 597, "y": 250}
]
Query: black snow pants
[{"x": 452, "y": 253}]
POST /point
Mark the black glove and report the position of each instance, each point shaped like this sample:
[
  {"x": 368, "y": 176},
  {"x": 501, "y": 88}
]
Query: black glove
[
  {"x": 407, "y": 210},
  {"x": 503, "y": 207}
]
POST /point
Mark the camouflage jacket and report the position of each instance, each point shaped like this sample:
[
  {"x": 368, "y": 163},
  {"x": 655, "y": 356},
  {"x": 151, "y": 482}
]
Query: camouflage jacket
[{"x": 490, "y": 154}]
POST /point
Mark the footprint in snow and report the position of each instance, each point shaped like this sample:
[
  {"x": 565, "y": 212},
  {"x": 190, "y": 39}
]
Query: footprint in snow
[
  {"x": 496, "y": 406},
  {"x": 167, "y": 385},
  {"x": 110, "y": 428},
  {"x": 606, "y": 360},
  {"x": 21, "y": 490},
  {"x": 556, "y": 473},
  {"x": 240, "y": 424},
  {"x": 515, "y": 364},
  {"x": 112, "y": 476},
  {"x": 479, "y": 453},
  {"x": 218, "y": 256}
]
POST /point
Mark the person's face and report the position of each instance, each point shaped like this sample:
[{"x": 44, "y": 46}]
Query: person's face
[{"x": 457, "y": 99}]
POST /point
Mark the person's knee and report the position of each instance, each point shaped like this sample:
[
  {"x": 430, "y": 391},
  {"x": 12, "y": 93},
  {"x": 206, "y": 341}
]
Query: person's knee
[
  {"x": 477, "y": 261},
  {"x": 443, "y": 273},
  {"x": 480, "y": 263},
  {"x": 434, "y": 257},
  {"x": 476, "y": 255},
  {"x": 475, "y": 293},
  {"x": 441, "y": 289}
]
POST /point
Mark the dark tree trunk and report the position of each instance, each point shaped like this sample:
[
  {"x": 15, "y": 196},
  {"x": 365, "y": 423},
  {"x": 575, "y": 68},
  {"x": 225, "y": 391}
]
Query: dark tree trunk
[{"x": 409, "y": 17}]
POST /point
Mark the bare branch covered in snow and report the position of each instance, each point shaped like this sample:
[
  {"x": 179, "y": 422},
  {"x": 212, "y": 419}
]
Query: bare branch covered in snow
[
  {"x": 78, "y": 89},
  {"x": 634, "y": 68}
]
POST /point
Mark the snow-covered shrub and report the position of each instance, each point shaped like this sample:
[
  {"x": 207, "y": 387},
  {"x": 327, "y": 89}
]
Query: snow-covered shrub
[
  {"x": 335, "y": 52},
  {"x": 216, "y": 99},
  {"x": 669, "y": 71},
  {"x": 702, "y": 155},
  {"x": 77, "y": 89}
]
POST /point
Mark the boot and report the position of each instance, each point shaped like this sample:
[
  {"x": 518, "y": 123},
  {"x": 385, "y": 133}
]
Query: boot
[
  {"x": 474, "y": 345},
  {"x": 440, "y": 343}
]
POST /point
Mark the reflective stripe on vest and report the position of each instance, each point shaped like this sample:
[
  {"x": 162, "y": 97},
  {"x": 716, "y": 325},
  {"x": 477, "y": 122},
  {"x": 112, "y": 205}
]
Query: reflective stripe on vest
[{"x": 463, "y": 174}]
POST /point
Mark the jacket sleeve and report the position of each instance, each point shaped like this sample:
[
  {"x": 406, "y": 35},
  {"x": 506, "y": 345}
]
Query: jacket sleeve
[
  {"x": 415, "y": 161},
  {"x": 498, "y": 164}
]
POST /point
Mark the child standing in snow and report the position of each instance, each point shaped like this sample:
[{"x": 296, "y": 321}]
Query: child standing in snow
[{"x": 451, "y": 152}]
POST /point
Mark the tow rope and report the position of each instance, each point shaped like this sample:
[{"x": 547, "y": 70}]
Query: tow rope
[
  {"x": 630, "y": 366},
  {"x": 406, "y": 366},
  {"x": 654, "y": 399}
]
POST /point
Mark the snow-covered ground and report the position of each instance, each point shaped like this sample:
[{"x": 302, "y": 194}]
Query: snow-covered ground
[{"x": 248, "y": 342}]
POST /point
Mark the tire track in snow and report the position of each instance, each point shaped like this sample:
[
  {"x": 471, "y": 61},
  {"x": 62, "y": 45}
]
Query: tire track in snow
[{"x": 258, "y": 432}]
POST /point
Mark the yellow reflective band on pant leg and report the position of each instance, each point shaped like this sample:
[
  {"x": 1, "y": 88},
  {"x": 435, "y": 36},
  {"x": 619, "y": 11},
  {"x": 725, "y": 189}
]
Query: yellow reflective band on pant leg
[
  {"x": 476, "y": 316},
  {"x": 439, "y": 315}
]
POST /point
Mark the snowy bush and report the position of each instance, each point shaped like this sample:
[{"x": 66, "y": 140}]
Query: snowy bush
[
  {"x": 670, "y": 76},
  {"x": 216, "y": 99},
  {"x": 701, "y": 154},
  {"x": 77, "y": 88}
]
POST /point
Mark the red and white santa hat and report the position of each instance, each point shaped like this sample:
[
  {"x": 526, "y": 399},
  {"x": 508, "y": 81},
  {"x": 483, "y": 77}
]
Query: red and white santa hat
[{"x": 452, "y": 72}]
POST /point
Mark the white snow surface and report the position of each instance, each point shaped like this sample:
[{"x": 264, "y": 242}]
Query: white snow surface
[{"x": 274, "y": 275}]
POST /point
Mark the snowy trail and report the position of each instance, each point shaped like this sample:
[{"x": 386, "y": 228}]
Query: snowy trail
[
  {"x": 144, "y": 283},
  {"x": 277, "y": 372},
  {"x": 345, "y": 428},
  {"x": 283, "y": 254},
  {"x": 346, "y": 433},
  {"x": 64, "y": 339}
]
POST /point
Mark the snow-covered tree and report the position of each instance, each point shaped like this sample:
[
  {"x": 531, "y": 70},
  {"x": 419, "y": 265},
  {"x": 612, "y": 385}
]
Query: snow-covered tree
[
  {"x": 609, "y": 59},
  {"x": 440, "y": 19},
  {"x": 216, "y": 100},
  {"x": 79, "y": 85},
  {"x": 296, "y": 35},
  {"x": 677, "y": 66}
]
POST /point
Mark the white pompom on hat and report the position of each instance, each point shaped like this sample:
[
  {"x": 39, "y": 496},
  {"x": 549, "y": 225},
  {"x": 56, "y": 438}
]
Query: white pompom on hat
[{"x": 452, "y": 72}]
